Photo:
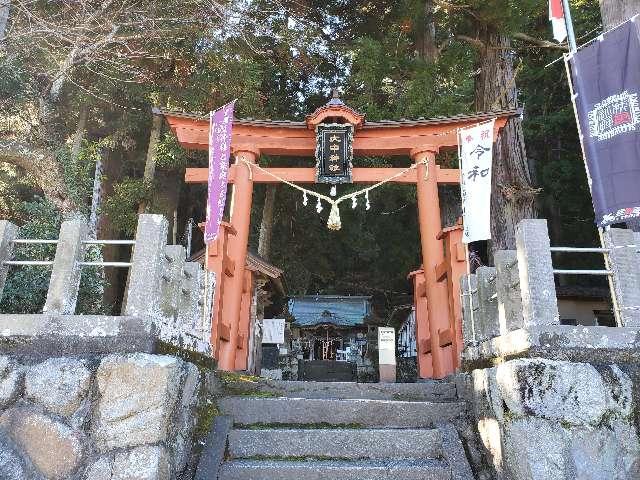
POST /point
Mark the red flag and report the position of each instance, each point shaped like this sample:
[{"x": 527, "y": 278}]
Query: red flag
[{"x": 556, "y": 15}]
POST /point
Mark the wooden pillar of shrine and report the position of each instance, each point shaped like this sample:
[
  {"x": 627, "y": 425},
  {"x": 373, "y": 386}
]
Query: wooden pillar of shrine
[
  {"x": 241, "y": 199},
  {"x": 432, "y": 256},
  {"x": 220, "y": 262},
  {"x": 453, "y": 268}
]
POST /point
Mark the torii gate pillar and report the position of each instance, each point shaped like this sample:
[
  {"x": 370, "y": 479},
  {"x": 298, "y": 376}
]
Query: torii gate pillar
[
  {"x": 241, "y": 199},
  {"x": 432, "y": 256}
]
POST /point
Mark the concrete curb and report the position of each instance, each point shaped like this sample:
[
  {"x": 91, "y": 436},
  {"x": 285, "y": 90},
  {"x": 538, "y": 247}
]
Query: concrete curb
[
  {"x": 453, "y": 452},
  {"x": 214, "y": 449}
]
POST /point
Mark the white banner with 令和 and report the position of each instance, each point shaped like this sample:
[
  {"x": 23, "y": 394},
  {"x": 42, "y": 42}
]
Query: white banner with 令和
[{"x": 475, "y": 148}]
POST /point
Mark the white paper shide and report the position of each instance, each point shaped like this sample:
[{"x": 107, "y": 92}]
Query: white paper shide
[{"x": 475, "y": 146}]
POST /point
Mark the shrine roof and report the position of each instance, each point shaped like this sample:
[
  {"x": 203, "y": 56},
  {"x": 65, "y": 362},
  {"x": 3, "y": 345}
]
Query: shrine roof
[
  {"x": 254, "y": 263},
  {"x": 312, "y": 310},
  {"x": 403, "y": 122}
]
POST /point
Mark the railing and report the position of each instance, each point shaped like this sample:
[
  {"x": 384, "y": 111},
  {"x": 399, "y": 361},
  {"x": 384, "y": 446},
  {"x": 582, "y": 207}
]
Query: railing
[
  {"x": 162, "y": 287},
  {"x": 519, "y": 293}
]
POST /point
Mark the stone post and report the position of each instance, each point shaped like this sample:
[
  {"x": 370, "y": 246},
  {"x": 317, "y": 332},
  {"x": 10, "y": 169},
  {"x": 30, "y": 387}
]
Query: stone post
[
  {"x": 508, "y": 290},
  {"x": 171, "y": 280},
  {"x": 487, "y": 325},
  {"x": 537, "y": 286},
  {"x": 189, "y": 299},
  {"x": 147, "y": 266},
  {"x": 469, "y": 292},
  {"x": 625, "y": 265},
  {"x": 8, "y": 233},
  {"x": 66, "y": 272}
]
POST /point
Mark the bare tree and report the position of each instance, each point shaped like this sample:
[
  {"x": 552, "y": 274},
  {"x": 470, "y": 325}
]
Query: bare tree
[{"x": 92, "y": 48}]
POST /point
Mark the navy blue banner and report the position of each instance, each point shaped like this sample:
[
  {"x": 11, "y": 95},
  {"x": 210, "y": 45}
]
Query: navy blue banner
[{"x": 606, "y": 78}]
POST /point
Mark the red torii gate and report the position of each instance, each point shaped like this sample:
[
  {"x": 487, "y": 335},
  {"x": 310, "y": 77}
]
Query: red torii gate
[{"x": 437, "y": 304}]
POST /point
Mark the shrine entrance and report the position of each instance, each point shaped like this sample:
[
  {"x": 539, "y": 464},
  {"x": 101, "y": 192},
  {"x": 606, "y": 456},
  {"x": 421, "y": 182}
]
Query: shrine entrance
[{"x": 436, "y": 284}]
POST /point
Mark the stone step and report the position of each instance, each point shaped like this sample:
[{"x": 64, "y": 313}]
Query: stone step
[
  {"x": 352, "y": 412},
  {"x": 433, "y": 390},
  {"x": 335, "y": 470},
  {"x": 353, "y": 444}
]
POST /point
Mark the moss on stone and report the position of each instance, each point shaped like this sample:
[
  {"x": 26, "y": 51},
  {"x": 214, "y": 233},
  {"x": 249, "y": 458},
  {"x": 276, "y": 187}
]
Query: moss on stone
[
  {"x": 206, "y": 413},
  {"x": 202, "y": 361}
]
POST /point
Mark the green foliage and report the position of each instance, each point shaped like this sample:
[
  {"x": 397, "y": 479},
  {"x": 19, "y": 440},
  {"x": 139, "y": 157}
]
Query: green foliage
[
  {"x": 78, "y": 175},
  {"x": 121, "y": 206},
  {"x": 26, "y": 287},
  {"x": 170, "y": 155}
]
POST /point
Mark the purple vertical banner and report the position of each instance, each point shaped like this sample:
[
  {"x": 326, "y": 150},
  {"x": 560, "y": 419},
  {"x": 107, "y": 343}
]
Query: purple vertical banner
[{"x": 220, "y": 127}]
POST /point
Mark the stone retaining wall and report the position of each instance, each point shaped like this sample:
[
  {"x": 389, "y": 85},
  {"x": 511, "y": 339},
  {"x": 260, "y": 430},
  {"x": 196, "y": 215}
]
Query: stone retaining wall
[
  {"x": 119, "y": 416},
  {"x": 541, "y": 419}
]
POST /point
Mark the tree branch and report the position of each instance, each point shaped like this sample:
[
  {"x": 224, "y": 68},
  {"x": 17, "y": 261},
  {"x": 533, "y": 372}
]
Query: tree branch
[
  {"x": 44, "y": 168},
  {"x": 539, "y": 43}
]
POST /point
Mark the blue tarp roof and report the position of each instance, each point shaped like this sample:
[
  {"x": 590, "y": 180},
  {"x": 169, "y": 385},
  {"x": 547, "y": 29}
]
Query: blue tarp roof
[{"x": 313, "y": 310}]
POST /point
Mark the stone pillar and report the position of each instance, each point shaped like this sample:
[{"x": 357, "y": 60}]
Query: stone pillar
[
  {"x": 147, "y": 266},
  {"x": 189, "y": 299},
  {"x": 240, "y": 219},
  {"x": 171, "y": 280},
  {"x": 8, "y": 233},
  {"x": 625, "y": 265},
  {"x": 508, "y": 290},
  {"x": 432, "y": 253},
  {"x": 487, "y": 325},
  {"x": 537, "y": 286},
  {"x": 65, "y": 274},
  {"x": 469, "y": 291}
]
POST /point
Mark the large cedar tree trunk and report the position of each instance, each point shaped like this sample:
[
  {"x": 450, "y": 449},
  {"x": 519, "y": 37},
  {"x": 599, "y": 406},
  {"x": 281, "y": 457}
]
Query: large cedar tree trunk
[
  {"x": 266, "y": 225},
  {"x": 513, "y": 197},
  {"x": 614, "y": 12},
  {"x": 426, "y": 38}
]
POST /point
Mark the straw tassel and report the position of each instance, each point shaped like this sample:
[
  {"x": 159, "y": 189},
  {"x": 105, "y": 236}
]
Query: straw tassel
[{"x": 333, "y": 223}]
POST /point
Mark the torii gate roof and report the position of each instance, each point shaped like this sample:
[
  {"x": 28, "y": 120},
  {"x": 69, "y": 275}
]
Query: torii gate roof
[{"x": 297, "y": 138}]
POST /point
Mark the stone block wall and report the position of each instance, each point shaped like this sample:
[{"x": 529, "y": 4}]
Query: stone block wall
[
  {"x": 119, "y": 416},
  {"x": 542, "y": 419}
]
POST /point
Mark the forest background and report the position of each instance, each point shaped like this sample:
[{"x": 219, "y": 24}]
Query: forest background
[{"x": 78, "y": 80}]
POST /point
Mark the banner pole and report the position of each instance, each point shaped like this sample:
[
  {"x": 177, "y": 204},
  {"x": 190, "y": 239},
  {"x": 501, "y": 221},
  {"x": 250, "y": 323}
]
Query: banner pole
[
  {"x": 466, "y": 249},
  {"x": 470, "y": 293},
  {"x": 607, "y": 261},
  {"x": 571, "y": 36}
]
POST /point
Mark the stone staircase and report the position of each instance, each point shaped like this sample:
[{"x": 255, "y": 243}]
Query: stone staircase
[{"x": 331, "y": 431}]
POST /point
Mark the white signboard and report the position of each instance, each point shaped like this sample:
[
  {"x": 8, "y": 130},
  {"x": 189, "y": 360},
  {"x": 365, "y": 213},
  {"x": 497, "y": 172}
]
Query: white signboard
[
  {"x": 386, "y": 346},
  {"x": 475, "y": 148},
  {"x": 273, "y": 330}
]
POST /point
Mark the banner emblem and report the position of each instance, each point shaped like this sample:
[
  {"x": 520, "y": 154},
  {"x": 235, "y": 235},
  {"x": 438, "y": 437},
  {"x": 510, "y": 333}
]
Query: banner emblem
[{"x": 616, "y": 114}]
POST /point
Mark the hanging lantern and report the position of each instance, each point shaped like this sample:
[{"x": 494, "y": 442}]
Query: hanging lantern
[{"x": 319, "y": 206}]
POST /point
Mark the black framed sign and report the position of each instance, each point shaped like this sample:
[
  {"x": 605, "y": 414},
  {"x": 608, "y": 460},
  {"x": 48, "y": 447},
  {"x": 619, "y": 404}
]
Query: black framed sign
[{"x": 334, "y": 153}]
